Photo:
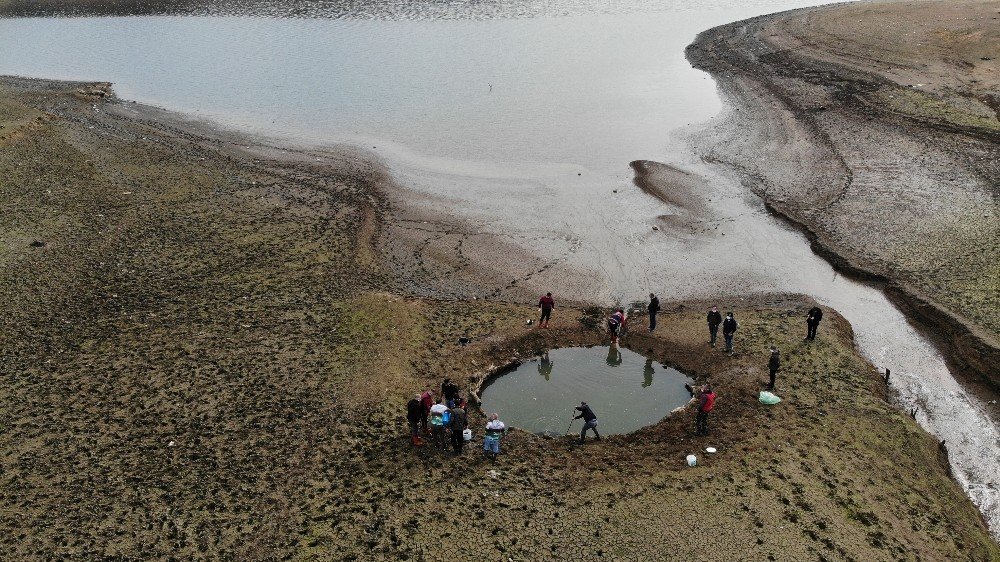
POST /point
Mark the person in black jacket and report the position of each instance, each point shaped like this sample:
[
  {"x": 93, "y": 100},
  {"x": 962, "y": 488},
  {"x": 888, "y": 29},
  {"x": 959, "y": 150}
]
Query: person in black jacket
[
  {"x": 653, "y": 308},
  {"x": 589, "y": 421},
  {"x": 450, "y": 392},
  {"x": 714, "y": 319},
  {"x": 414, "y": 411},
  {"x": 773, "y": 364},
  {"x": 812, "y": 321},
  {"x": 729, "y": 326}
]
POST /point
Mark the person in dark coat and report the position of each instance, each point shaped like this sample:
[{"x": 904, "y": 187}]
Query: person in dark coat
[
  {"x": 729, "y": 326},
  {"x": 414, "y": 413},
  {"x": 653, "y": 308},
  {"x": 545, "y": 306},
  {"x": 589, "y": 421},
  {"x": 426, "y": 401},
  {"x": 812, "y": 321},
  {"x": 450, "y": 392},
  {"x": 714, "y": 319},
  {"x": 459, "y": 422},
  {"x": 773, "y": 364},
  {"x": 705, "y": 404}
]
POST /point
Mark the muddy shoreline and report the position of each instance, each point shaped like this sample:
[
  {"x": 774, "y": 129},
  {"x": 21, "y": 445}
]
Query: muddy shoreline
[
  {"x": 208, "y": 347},
  {"x": 832, "y": 114}
]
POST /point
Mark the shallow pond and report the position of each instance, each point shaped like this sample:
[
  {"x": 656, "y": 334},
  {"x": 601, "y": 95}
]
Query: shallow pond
[{"x": 625, "y": 389}]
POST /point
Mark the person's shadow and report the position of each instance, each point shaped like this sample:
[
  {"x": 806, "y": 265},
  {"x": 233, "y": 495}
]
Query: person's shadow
[
  {"x": 545, "y": 366},
  {"x": 647, "y": 373},
  {"x": 614, "y": 358}
]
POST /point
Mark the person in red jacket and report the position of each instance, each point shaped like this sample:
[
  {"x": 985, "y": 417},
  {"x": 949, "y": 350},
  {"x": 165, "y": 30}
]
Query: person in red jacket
[
  {"x": 426, "y": 401},
  {"x": 545, "y": 306},
  {"x": 705, "y": 405}
]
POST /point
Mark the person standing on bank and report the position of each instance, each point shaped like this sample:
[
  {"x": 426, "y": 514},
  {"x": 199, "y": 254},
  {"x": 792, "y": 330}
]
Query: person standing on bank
[
  {"x": 705, "y": 405},
  {"x": 773, "y": 364},
  {"x": 439, "y": 423},
  {"x": 653, "y": 308},
  {"x": 458, "y": 424},
  {"x": 414, "y": 413},
  {"x": 426, "y": 400},
  {"x": 812, "y": 322},
  {"x": 729, "y": 326},
  {"x": 714, "y": 319},
  {"x": 589, "y": 421},
  {"x": 545, "y": 306},
  {"x": 450, "y": 392}
]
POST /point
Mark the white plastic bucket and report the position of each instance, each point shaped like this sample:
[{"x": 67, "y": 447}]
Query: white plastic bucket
[{"x": 467, "y": 434}]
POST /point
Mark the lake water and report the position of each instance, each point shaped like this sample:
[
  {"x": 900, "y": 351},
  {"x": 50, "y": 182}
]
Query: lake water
[
  {"x": 625, "y": 390},
  {"x": 520, "y": 119}
]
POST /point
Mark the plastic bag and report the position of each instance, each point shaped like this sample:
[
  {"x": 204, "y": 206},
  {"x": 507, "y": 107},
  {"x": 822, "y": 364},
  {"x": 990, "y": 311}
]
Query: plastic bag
[
  {"x": 692, "y": 460},
  {"x": 768, "y": 398}
]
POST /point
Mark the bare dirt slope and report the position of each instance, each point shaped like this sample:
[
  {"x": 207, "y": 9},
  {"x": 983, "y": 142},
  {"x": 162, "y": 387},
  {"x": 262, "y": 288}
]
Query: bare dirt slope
[
  {"x": 875, "y": 126},
  {"x": 204, "y": 356}
]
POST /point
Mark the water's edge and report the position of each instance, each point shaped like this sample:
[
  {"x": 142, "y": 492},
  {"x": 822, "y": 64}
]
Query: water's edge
[
  {"x": 971, "y": 359},
  {"x": 965, "y": 350}
]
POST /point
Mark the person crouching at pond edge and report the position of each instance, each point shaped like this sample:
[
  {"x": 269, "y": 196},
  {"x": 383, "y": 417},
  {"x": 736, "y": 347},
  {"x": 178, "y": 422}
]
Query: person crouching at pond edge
[{"x": 705, "y": 404}]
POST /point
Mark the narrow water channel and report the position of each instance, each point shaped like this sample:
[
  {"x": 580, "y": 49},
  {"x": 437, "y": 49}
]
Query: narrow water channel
[{"x": 524, "y": 125}]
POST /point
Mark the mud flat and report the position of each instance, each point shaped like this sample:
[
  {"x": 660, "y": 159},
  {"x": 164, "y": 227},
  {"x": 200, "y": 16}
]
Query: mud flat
[
  {"x": 882, "y": 141},
  {"x": 208, "y": 342}
]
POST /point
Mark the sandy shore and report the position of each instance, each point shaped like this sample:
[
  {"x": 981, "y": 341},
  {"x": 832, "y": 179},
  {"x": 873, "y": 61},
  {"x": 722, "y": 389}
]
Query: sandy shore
[
  {"x": 882, "y": 142},
  {"x": 209, "y": 341}
]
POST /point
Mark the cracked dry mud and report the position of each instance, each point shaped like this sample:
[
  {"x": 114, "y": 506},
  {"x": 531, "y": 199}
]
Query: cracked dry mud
[{"x": 207, "y": 344}]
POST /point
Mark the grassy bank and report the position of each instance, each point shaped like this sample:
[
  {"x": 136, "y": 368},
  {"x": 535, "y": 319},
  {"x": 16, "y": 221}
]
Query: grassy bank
[{"x": 204, "y": 358}]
